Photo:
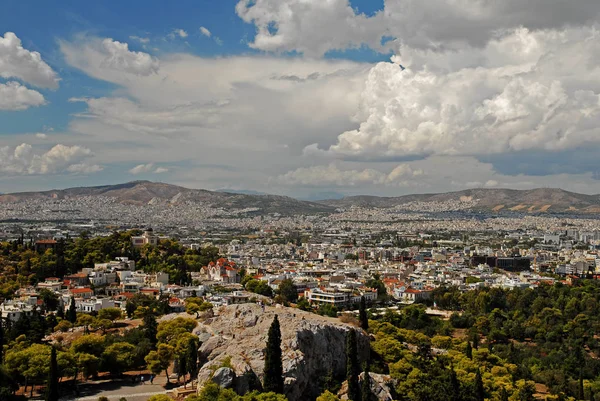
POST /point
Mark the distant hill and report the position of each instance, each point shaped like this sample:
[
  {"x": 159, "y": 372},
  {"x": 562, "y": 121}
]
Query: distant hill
[
  {"x": 550, "y": 200},
  {"x": 539, "y": 200},
  {"x": 147, "y": 192}
]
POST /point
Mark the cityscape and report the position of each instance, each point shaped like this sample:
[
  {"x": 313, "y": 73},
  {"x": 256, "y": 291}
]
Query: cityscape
[{"x": 300, "y": 200}]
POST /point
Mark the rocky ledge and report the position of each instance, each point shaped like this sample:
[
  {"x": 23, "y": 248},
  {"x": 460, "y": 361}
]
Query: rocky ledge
[{"x": 313, "y": 348}]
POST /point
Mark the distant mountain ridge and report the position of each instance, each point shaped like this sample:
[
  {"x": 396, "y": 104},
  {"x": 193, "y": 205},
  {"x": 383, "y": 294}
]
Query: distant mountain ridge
[
  {"x": 147, "y": 192},
  {"x": 552, "y": 200}
]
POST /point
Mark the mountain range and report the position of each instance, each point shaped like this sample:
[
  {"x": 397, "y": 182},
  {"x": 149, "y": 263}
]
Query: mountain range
[{"x": 548, "y": 200}]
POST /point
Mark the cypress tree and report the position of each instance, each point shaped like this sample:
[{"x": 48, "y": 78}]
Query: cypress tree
[
  {"x": 273, "y": 373},
  {"x": 454, "y": 385},
  {"x": 72, "y": 314},
  {"x": 362, "y": 314},
  {"x": 352, "y": 367},
  {"x": 365, "y": 389},
  {"x": 503, "y": 394},
  {"x": 52, "y": 385},
  {"x": 479, "y": 390},
  {"x": 469, "y": 351},
  {"x": 581, "y": 392},
  {"x": 592, "y": 395},
  {"x": 150, "y": 328},
  {"x": 192, "y": 358},
  {"x": 1, "y": 341}
]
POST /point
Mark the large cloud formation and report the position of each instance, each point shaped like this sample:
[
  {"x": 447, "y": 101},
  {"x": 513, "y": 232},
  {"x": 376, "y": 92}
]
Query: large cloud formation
[
  {"x": 314, "y": 27},
  {"x": 525, "y": 90},
  {"x": 23, "y": 160}
]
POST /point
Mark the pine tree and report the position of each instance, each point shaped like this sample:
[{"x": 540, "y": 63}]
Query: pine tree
[
  {"x": 273, "y": 373},
  {"x": 366, "y": 383},
  {"x": 479, "y": 390},
  {"x": 362, "y": 314},
  {"x": 469, "y": 351},
  {"x": 52, "y": 385},
  {"x": 72, "y": 314},
  {"x": 352, "y": 366}
]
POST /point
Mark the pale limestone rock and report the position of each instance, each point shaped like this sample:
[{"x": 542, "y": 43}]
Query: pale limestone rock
[{"x": 313, "y": 347}]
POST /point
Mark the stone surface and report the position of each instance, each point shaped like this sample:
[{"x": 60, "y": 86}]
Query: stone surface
[
  {"x": 224, "y": 377},
  {"x": 313, "y": 347},
  {"x": 382, "y": 387}
]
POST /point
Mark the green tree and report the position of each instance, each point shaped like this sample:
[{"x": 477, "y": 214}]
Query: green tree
[
  {"x": 479, "y": 390},
  {"x": 362, "y": 314},
  {"x": 365, "y": 390},
  {"x": 273, "y": 371},
  {"x": 118, "y": 357},
  {"x": 352, "y": 366},
  {"x": 72, "y": 313},
  {"x": 1, "y": 341},
  {"x": 85, "y": 320},
  {"x": 52, "y": 384},
  {"x": 159, "y": 360},
  {"x": 150, "y": 328},
  {"x": 327, "y": 396},
  {"x": 469, "y": 350},
  {"x": 288, "y": 290},
  {"x": 111, "y": 314},
  {"x": 160, "y": 397}
]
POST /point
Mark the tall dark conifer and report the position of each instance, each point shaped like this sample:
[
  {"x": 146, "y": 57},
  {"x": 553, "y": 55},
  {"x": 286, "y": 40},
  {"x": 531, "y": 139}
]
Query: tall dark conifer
[
  {"x": 52, "y": 385},
  {"x": 365, "y": 389},
  {"x": 273, "y": 373},
  {"x": 362, "y": 314},
  {"x": 469, "y": 350},
  {"x": 352, "y": 369},
  {"x": 479, "y": 390},
  {"x": 150, "y": 328},
  {"x": 503, "y": 394},
  {"x": 1, "y": 341},
  {"x": 72, "y": 314},
  {"x": 192, "y": 357},
  {"x": 581, "y": 395},
  {"x": 454, "y": 386}
]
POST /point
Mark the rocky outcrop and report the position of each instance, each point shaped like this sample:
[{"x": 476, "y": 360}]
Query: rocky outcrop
[
  {"x": 382, "y": 387},
  {"x": 313, "y": 348}
]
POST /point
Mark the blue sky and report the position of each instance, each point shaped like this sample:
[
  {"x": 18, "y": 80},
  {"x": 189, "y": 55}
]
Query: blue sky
[
  {"x": 121, "y": 20},
  {"x": 300, "y": 97}
]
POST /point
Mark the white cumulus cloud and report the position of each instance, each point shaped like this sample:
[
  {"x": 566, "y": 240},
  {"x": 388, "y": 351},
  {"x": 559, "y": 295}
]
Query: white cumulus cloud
[
  {"x": 314, "y": 27},
  {"x": 177, "y": 33},
  {"x": 118, "y": 57},
  {"x": 526, "y": 90},
  {"x": 24, "y": 160},
  {"x": 28, "y": 66},
  {"x": 204, "y": 31},
  {"x": 147, "y": 168},
  {"x": 332, "y": 175},
  {"x": 14, "y": 96}
]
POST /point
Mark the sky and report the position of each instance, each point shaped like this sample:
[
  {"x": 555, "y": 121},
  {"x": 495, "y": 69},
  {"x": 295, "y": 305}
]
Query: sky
[{"x": 307, "y": 98}]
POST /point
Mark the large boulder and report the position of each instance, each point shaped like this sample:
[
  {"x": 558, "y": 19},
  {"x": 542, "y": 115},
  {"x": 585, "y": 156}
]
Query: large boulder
[
  {"x": 224, "y": 377},
  {"x": 313, "y": 348}
]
